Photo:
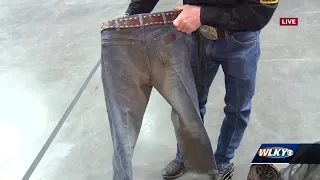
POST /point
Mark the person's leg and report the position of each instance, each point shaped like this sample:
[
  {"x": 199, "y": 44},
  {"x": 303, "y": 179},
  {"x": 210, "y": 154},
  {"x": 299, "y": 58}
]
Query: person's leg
[
  {"x": 126, "y": 87},
  {"x": 239, "y": 55},
  {"x": 204, "y": 70},
  {"x": 173, "y": 78}
]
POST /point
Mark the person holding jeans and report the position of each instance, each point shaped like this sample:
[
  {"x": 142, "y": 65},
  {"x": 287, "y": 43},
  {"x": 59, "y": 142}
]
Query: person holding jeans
[{"x": 222, "y": 33}]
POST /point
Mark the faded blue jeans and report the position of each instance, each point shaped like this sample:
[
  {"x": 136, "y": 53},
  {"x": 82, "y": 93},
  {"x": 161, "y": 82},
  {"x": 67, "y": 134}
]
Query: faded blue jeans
[
  {"x": 238, "y": 54},
  {"x": 133, "y": 61}
]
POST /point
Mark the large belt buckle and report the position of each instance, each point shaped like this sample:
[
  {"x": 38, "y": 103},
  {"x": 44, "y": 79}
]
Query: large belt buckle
[{"x": 209, "y": 32}]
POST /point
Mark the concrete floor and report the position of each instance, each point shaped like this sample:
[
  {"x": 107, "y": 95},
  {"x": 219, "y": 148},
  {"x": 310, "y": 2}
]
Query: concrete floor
[{"x": 49, "y": 48}]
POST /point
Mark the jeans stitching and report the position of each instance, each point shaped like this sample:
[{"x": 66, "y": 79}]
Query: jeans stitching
[
  {"x": 237, "y": 96},
  {"x": 122, "y": 75},
  {"x": 258, "y": 40},
  {"x": 113, "y": 129},
  {"x": 199, "y": 61},
  {"x": 128, "y": 133},
  {"x": 237, "y": 114},
  {"x": 179, "y": 155},
  {"x": 177, "y": 63},
  {"x": 167, "y": 31},
  {"x": 244, "y": 43},
  {"x": 180, "y": 159},
  {"x": 195, "y": 105},
  {"x": 117, "y": 43}
]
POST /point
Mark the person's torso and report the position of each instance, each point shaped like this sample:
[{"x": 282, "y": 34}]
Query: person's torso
[{"x": 210, "y": 2}]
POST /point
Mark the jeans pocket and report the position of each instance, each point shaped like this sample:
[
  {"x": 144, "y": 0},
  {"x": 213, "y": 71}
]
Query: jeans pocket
[
  {"x": 118, "y": 56},
  {"x": 117, "y": 41},
  {"x": 245, "y": 37},
  {"x": 171, "y": 47}
]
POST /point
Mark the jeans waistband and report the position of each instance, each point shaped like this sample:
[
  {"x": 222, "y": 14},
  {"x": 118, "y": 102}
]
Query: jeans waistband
[{"x": 141, "y": 20}]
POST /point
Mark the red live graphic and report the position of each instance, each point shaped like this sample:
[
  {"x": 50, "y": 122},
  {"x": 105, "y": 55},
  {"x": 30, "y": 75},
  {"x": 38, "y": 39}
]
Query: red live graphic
[{"x": 288, "y": 21}]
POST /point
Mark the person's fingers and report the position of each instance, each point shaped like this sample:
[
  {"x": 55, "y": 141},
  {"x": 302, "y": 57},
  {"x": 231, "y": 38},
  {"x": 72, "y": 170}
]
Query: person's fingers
[
  {"x": 184, "y": 29},
  {"x": 176, "y": 22},
  {"x": 191, "y": 29},
  {"x": 180, "y": 27}
]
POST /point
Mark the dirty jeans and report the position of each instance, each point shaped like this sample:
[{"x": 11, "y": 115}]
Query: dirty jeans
[
  {"x": 238, "y": 54},
  {"x": 135, "y": 60}
]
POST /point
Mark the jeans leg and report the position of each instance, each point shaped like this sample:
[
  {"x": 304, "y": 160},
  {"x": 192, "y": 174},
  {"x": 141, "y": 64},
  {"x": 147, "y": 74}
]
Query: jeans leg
[
  {"x": 127, "y": 91},
  {"x": 125, "y": 119},
  {"x": 240, "y": 69},
  {"x": 174, "y": 81},
  {"x": 204, "y": 69}
]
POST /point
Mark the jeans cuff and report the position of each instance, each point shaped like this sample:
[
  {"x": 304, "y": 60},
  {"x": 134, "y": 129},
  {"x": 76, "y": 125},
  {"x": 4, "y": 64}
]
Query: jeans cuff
[
  {"x": 223, "y": 166},
  {"x": 179, "y": 159}
]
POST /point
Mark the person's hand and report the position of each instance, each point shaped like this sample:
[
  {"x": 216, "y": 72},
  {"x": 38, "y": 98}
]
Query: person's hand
[{"x": 188, "y": 20}]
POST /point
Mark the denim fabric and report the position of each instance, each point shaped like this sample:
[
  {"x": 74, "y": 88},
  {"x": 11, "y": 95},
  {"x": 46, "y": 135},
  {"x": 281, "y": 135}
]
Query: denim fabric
[
  {"x": 238, "y": 54},
  {"x": 135, "y": 60}
]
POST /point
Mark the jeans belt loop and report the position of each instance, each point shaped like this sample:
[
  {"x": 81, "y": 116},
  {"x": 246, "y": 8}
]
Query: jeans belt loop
[
  {"x": 164, "y": 17},
  {"x": 117, "y": 24},
  {"x": 226, "y": 33},
  {"x": 140, "y": 21}
]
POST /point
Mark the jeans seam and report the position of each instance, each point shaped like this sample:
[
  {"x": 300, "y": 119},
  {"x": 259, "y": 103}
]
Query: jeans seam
[
  {"x": 178, "y": 63},
  {"x": 195, "y": 105},
  {"x": 237, "y": 114},
  {"x": 199, "y": 62},
  {"x": 258, "y": 40},
  {"x": 128, "y": 133},
  {"x": 145, "y": 51},
  {"x": 126, "y": 128},
  {"x": 112, "y": 116},
  {"x": 180, "y": 158},
  {"x": 160, "y": 55}
]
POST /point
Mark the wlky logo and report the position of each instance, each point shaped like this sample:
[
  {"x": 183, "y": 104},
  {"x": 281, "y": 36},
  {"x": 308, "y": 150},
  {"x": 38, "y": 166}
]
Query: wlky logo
[{"x": 275, "y": 152}]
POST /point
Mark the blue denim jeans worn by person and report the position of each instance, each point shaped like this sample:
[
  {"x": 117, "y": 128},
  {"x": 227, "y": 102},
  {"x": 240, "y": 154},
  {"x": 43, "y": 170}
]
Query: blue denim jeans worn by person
[
  {"x": 133, "y": 61},
  {"x": 238, "y": 54}
]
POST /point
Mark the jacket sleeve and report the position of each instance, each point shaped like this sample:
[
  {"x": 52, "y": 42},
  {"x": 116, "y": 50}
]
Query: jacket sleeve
[
  {"x": 248, "y": 15},
  {"x": 141, "y": 6}
]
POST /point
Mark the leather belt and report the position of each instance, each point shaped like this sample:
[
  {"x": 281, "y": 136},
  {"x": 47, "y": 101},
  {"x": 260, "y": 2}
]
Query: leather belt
[{"x": 141, "y": 20}]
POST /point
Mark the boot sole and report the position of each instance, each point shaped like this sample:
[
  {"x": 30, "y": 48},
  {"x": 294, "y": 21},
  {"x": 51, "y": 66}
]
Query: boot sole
[
  {"x": 229, "y": 175},
  {"x": 174, "y": 177}
]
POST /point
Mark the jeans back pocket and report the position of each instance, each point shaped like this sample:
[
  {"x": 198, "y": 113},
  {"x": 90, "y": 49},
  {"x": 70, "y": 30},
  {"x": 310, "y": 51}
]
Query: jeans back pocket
[
  {"x": 171, "y": 46},
  {"x": 119, "y": 56}
]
